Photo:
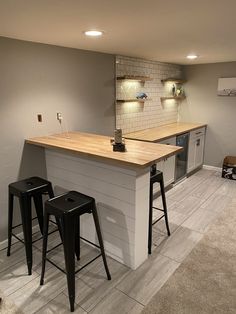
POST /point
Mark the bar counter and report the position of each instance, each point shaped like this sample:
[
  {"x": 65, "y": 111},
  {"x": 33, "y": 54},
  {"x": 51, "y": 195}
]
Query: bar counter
[{"x": 119, "y": 181}]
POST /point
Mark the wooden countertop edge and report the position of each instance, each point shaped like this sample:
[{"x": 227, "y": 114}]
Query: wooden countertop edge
[
  {"x": 108, "y": 160},
  {"x": 166, "y": 137}
]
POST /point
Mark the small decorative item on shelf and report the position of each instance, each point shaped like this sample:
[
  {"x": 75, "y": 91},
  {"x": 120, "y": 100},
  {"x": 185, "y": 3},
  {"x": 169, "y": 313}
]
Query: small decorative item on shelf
[
  {"x": 179, "y": 91},
  {"x": 118, "y": 142},
  {"x": 141, "y": 96},
  {"x": 173, "y": 90}
]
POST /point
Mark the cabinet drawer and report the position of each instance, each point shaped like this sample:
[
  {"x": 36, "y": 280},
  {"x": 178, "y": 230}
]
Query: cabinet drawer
[
  {"x": 169, "y": 141},
  {"x": 197, "y": 133}
]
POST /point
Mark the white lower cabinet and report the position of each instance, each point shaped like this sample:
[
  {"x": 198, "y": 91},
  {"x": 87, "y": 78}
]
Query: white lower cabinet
[
  {"x": 195, "y": 152},
  {"x": 169, "y": 170},
  {"x": 195, "y": 156},
  {"x": 167, "y": 166}
]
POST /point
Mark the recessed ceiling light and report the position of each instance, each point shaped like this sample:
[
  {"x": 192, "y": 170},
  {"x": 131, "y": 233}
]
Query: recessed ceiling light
[
  {"x": 93, "y": 33},
  {"x": 192, "y": 56}
]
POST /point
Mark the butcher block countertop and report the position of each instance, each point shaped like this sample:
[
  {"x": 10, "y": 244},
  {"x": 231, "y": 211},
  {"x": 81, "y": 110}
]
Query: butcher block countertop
[
  {"x": 163, "y": 132},
  {"x": 98, "y": 147}
]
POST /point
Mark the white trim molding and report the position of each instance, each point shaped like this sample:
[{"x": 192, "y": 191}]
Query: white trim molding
[{"x": 212, "y": 168}]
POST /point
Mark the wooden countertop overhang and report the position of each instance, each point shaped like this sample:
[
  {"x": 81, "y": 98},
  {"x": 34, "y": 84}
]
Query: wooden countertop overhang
[
  {"x": 98, "y": 147},
  {"x": 163, "y": 132}
]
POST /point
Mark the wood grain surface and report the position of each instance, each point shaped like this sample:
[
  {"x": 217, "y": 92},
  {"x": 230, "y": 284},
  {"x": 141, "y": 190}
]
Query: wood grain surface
[
  {"x": 163, "y": 132},
  {"x": 98, "y": 147}
]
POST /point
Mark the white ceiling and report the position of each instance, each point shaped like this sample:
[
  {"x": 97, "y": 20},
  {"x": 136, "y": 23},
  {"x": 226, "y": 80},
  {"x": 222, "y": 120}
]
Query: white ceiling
[{"x": 162, "y": 30}]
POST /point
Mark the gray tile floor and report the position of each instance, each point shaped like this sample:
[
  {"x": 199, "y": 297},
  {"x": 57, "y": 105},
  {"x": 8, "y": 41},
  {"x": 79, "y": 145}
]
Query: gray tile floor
[{"x": 192, "y": 206}]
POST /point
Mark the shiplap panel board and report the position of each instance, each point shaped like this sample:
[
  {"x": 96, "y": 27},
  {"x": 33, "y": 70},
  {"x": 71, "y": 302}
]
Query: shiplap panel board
[
  {"x": 122, "y": 206},
  {"x": 93, "y": 184},
  {"x": 109, "y": 202},
  {"x": 94, "y": 170}
]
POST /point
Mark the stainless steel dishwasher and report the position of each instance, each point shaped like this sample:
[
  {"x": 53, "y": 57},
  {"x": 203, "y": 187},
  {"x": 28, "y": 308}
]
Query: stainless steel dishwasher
[{"x": 182, "y": 158}]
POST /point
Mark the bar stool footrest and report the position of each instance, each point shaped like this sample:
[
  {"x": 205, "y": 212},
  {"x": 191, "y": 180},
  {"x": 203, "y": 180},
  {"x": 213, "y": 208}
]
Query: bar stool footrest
[
  {"x": 61, "y": 269},
  {"x": 21, "y": 223},
  {"x": 76, "y": 271},
  {"x": 162, "y": 210},
  {"x": 158, "y": 219},
  {"x": 22, "y": 241}
]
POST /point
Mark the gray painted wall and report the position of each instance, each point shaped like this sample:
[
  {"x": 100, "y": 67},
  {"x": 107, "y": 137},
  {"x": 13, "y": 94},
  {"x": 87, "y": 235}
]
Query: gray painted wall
[
  {"x": 203, "y": 105},
  {"x": 37, "y": 78}
]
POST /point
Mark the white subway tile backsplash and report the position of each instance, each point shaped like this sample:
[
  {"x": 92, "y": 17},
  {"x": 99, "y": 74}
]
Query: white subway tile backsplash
[{"x": 137, "y": 116}]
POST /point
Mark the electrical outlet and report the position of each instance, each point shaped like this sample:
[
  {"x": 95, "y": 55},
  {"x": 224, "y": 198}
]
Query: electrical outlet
[
  {"x": 40, "y": 117},
  {"x": 59, "y": 116}
]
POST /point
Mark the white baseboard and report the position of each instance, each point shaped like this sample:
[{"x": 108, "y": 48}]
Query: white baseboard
[{"x": 212, "y": 168}]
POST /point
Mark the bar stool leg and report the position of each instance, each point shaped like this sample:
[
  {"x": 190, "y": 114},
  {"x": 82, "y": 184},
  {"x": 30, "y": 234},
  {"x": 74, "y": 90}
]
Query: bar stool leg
[
  {"x": 99, "y": 234},
  {"x": 50, "y": 191},
  {"x": 51, "y": 195},
  {"x": 69, "y": 252},
  {"x": 45, "y": 243},
  {"x": 38, "y": 202},
  {"x": 77, "y": 238},
  {"x": 10, "y": 219},
  {"x": 150, "y": 219},
  {"x": 164, "y": 205},
  {"x": 26, "y": 216}
]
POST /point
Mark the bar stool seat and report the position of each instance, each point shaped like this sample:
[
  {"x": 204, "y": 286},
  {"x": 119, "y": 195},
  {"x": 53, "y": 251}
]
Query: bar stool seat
[
  {"x": 156, "y": 176},
  {"x": 68, "y": 208},
  {"x": 25, "y": 190}
]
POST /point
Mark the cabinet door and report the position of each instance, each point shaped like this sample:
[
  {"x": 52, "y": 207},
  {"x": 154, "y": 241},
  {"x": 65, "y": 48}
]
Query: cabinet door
[
  {"x": 199, "y": 151},
  {"x": 169, "y": 163},
  {"x": 169, "y": 170},
  {"x": 191, "y": 155},
  {"x": 160, "y": 167}
]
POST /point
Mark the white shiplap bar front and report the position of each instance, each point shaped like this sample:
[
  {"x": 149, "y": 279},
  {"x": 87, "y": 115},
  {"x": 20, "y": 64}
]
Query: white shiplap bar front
[{"x": 122, "y": 200}]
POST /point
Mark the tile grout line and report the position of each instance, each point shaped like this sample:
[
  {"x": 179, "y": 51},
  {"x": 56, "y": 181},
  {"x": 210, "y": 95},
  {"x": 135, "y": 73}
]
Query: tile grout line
[{"x": 129, "y": 296}]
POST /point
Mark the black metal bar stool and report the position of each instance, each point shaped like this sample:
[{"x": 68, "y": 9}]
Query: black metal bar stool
[
  {"x": 68, "y": 208},
  {"x": 25, "y": 190},
  {"x": 156, "y": 176}
]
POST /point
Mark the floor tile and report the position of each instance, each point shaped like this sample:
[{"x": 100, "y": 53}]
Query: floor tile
[
  {"x": 17, "y": 255},
  {"x": 183, "y": 189},
  {"x": 93, "y": 286},
  {"x": 188, "y": 205},
  {"x": 228, "y": 188},
  {"x": 204, "y": 174},
  {"x": 31, "y": 297},
  {"x": 204, "y": 191},
  {"x": 15, "y": 277},
  {"x": 59, "y": 305},
  {"x": 200, "y": 220},
  {"x": 180, "y": 244},
  {"x": 217, "y": 202},
  {"x": 117, "y": 303},
  {"x": 145, "y": 281}
]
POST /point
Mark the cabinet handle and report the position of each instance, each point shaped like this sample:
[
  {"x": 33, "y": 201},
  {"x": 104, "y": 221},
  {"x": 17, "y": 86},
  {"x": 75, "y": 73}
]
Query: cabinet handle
[
  {"x": 198, "y": 133},
  {"x": 198, "y": 142}
]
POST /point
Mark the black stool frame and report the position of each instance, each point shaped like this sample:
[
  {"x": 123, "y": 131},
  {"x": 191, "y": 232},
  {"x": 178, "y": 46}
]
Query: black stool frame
[
  {"x": 70, "y": 226},
  {"x": 25, "y": 190},
  {"x": 156, "y": 177}
]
